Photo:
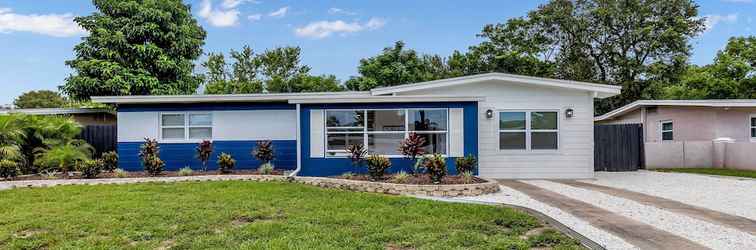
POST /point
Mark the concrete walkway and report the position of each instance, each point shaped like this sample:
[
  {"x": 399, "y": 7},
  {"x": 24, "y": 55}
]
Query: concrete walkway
[
  {"x": 737, "y": 222},
  {"x": 636, "y": 233}
]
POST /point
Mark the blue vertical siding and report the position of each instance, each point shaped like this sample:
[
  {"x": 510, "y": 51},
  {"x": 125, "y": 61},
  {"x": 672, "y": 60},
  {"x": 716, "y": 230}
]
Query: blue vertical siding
[
  {"x": 337, "y": 165},
  {"x": 179, "y": 155}
]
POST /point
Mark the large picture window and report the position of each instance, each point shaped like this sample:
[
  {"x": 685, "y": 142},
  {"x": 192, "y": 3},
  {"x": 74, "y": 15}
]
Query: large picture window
[
  {"x": 382, "y": 130},
  {"x": 186, "y": 126},
  {"x": 529, "y": 130}
]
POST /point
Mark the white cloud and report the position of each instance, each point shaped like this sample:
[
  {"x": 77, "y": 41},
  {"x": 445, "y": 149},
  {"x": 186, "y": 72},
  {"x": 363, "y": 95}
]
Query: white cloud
[
  {"x": 218, "y": 17},
  {"x": 230, "y": 4},
  {"x": 57, "y": 25},
  {"x": 713, "y": 20},
  {"x": 280, "y": 12},
  {"x": 323, "y": 29},
  {"x": 255, "y": 17},
  {"x": 339, "y": 11}
]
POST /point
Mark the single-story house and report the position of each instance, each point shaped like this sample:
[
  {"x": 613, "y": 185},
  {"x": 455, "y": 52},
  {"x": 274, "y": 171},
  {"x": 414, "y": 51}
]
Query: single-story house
[
  {"x": 84, "y": 116},
  {"x": 693, "y": 133},
  {"x": 517, "y": 126}
]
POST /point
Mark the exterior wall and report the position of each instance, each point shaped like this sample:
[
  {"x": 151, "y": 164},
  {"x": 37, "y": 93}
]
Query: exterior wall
[
  {"x": 333, "y": 165},
  {"x": 573, "y": 159},
  {"x": 95, "y": 119},
  {"x": 236, "y": 130},
  {"x": 629, "y": 118}
]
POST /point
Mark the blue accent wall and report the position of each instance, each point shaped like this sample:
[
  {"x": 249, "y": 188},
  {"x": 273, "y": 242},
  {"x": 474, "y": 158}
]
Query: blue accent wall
[
  {"x": 337, "y": 165},
  {"x": 179, "y": 155},
  {"x": 205, "y": 107}
]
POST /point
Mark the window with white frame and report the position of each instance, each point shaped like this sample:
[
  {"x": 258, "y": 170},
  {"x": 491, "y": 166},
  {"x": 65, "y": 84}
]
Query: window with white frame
[
  {"x": 382, "y": 130},
  {"x": 667, "y": 130},
  {"x": 186, "y": 126},
  {"x": 529, "y": 130},
  {"x": 753, "y": 127}
]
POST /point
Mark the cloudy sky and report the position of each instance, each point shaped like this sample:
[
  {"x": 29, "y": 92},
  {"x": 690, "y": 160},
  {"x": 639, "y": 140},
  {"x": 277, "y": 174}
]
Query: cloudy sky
[{"x": 37, "y": 36}]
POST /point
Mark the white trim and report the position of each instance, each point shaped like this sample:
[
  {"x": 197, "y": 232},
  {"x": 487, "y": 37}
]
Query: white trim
[
  {"x": 389, "y": 99},
  {"x": 528, "y": 131},
  {"x": 299, "y": 143},
  {"x": 269, "y": 97},
  {"x": 601, "y": 90},
  {"x": 662, "y": 131},
  {"x": 55, "y": 111},
  {"x": 186, "y": 127},
  {"x": 751, "y": 127},
  {"x": 734, "y": 103}
]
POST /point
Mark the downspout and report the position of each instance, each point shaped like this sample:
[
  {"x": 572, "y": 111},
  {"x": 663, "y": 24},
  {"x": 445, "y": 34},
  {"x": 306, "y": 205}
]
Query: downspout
[{"x": 299, "y": 143}]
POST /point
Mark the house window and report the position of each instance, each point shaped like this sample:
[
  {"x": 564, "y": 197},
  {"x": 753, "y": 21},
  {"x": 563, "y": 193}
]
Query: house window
[
  {"x": 667, "y": 131},
  {"x": 186, "y": 126},
  {"x": 381, "y": 131},
  {"x": 753, "y": 127},
  {"x": 529, "y": 130}
]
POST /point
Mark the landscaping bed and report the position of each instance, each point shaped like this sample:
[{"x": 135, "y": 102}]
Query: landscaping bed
[
  {"x": 415, "y": 180},
  {"x": 140, "y": 174}
]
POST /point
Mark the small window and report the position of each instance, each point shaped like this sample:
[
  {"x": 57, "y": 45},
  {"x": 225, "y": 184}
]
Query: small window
[
  {"x": 186, "y": 126},
  {"x": 512, "y": 132},
  {"x": 753, "y": 127},
  {"x": 667, "y": 131},
  {"x": 529, "y": 130}
]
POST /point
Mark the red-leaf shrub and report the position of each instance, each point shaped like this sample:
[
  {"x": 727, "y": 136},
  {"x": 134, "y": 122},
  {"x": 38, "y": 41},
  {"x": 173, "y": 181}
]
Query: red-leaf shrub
[{"x": 204, "y": 150}]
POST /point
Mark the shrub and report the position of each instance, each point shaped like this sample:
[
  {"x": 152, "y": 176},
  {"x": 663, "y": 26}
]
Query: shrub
[
  {"x": 186, "y": 171},
  {"x": 226, "y": 163},
  {"x": 149, "y": 152},
  {"x": 204, "y": 150},
  {"x": 347, "y": 175},
  {"x": 49, "y": 174},
  {"x": 468, "y": 177},
  {"x": 264, "y": 152},
  {"x": 90, "y": 168},
  {"x": 63, "y": 157},
  {"x": 8, "y": 169},
  {"x": 436, "y": 166},
  {"x": 119, "y": 173},
  {"x": 466, "y": 164},
  {"x": 266, "y": 168},
  {"x": 412, "y": 147},
  {"x": 377, "y": 165},
  {"x": 401, "y": 177},
  {"x": 109, "y": 161},
  {"x": 357, "y": 153}
]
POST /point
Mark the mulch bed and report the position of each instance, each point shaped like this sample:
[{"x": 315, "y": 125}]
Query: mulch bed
[
  {"x": 416, "y": 180},
  {"x": 106, "y": 175}
]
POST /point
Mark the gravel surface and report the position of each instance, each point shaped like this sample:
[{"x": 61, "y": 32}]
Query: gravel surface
[
  {"x": 704, "y": 233},
  {"x": 736, "y": 196},
  {"x": 510, "y": 196}
]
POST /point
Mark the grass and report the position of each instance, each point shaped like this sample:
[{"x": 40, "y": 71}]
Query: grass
[
  {"x": 712, "y": 171},
  {"x": 251, "y": 215}
]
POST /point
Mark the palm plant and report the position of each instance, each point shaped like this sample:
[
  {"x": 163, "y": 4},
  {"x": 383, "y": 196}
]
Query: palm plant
[
  {"x": 63, "y": 157},
  {"x": 11, "y": 137}
]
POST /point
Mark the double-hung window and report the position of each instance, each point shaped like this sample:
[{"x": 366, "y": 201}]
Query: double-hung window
[
  {"x": 529, "y": 130},
  {"x": 753, "y": 127},
  {"x": 667, "y": 130},
  {"x": 382, "y": 130},
  {"x": 186, "y": 126}
]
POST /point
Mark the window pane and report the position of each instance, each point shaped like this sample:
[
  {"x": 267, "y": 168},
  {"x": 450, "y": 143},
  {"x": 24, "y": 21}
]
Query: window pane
[
  {"x": 753, "y": 132},
  {"x": 427, "y": 120},
  {"x": 753, "y": 122},
  {"x": 200, "y": 120},
  {"x": 512, "y": 140},
  {"x": 200, "y": 133},
  {"x": 384, "y": 144},
  {"x": 512, "y": 120},
  {"x": 340, "y": 141},
  {"x": 543, "y": 140},
  {"x": 434, "y": 143},
  {"x": 352, "y": 120},
  {"x": 173, "y": 133},
  {"x": 173, "y": 120},
  {"x": 385, "y": 120},
  {"x": 667, "y": 126},
  {"x": 667, "y": 136},
  {"x": 543, "y": 120}
]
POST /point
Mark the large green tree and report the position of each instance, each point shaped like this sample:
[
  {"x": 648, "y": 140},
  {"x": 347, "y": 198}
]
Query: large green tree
[
  {"x": 240, "y": 79},
  {"x": 136, "y": 47},
  {"x": 40, "y": 99},
  {"x": 732, "y": 75}
]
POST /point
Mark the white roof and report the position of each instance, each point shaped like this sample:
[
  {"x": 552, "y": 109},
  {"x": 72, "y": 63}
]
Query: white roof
[
  {"x": 393, "y": 99},
  {"x": 282, "y": 97},
  {"x": 54, "y": 111},
  {"x": 599, "y": 90},
  {"x": 720, "y": 103}
]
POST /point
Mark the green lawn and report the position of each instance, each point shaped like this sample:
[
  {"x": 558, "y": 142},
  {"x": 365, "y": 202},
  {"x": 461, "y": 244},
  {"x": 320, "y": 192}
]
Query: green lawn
[
  {"x": 712, "y": 171},
  {"x": 251, "y": 215}
]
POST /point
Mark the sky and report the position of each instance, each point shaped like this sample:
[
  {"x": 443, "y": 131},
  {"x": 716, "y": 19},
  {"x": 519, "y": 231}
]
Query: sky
[{"x": 37, "y": 36}]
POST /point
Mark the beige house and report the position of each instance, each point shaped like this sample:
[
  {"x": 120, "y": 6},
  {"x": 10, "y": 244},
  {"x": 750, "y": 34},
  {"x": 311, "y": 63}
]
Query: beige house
[
  {"x": 693, "y": 133},
  {"x": 84, "y": 116}
]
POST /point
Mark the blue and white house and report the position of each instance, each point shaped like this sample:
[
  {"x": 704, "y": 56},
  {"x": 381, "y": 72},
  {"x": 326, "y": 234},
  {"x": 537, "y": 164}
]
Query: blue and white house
[{"x": 517, "y": 126}]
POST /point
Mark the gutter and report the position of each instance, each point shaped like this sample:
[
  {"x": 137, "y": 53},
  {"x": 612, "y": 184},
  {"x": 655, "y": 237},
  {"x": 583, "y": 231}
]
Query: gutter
[{"x": 299, "y": 143}]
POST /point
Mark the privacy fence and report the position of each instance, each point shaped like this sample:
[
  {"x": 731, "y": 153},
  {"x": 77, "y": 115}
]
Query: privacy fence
[
  {"x": 102, "y": 137},
  {"x": 618, "y": 147}
]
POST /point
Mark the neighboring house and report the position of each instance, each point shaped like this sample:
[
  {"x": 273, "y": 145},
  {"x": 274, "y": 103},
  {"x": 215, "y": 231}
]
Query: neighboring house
[
  {"x": 517, "y": 126},
  {"x": 682, "y": 133},
  {"x": 84, "y": 116}
]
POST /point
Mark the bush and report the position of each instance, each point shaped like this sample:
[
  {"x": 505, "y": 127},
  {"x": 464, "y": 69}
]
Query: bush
[
  {"x": 377, "y": 165},
  {"x": 466, "y": 164},
  {"x": 436, "y": 166},
  {"x": 149, "y": 152},
  {"x": 226, "y": 163},
  {"x": 119, "y": 173},
  {"x": 109, "y": 161},
  {"x": 186, "y": 171},
  {"x": 357, "y": 153},
  {"x": 266, "y": 168},
  {"x": 204, "y": 150},
  {"x": 90, "y": 168},
  {"x": 347, "y": 175},
  {"x": 8, "y": 169},
  {"x": 412, "y": 147},
  {"x": 264, "y": 152},
  {"x": 401, "y": 177},
  {"x": 468, "y": 177},
  {"x": 63, "y": 157}
]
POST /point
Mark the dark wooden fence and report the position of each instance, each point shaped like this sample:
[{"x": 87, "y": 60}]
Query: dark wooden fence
[
  {"x": 101, "y": 137},
  {"x": 618, "y": 147}
]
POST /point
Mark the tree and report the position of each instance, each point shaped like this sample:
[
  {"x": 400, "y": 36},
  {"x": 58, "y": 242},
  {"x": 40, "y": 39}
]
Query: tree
[
  {"x": 732, "y": 75},
  {"x": 394, "y": 66},
  {"x": 136, "y": 47},
  {"x": 242, "y": 79},
  {"x": 40, "y": 99},
  {"x": 281, "y": 67}
]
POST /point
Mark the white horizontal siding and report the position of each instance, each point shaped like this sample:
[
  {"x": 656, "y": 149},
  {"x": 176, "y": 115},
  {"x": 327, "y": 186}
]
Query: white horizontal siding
[{"x": 574, "y": 159}]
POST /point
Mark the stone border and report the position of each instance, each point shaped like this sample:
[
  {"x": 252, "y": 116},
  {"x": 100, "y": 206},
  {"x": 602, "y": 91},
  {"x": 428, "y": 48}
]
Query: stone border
[{"x": 475, "y": 189}]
